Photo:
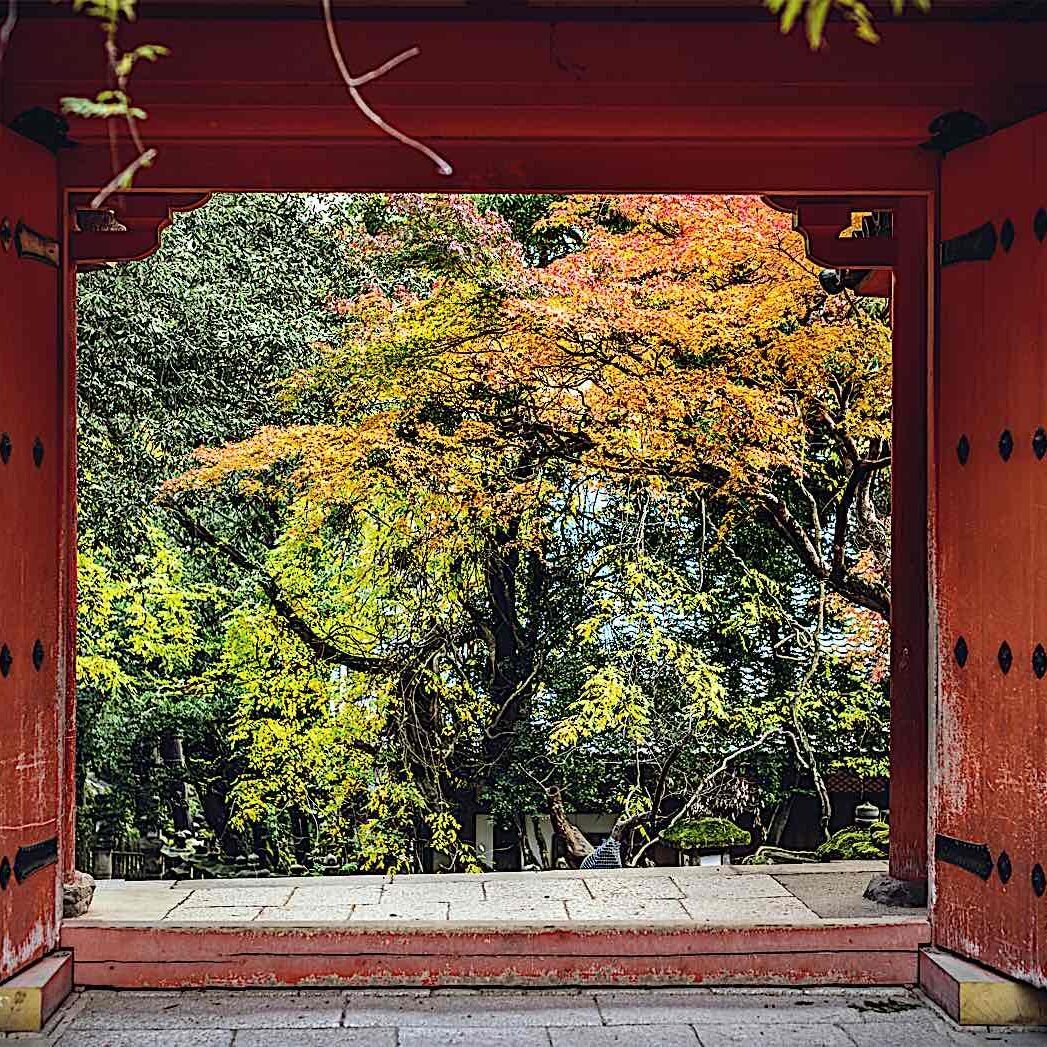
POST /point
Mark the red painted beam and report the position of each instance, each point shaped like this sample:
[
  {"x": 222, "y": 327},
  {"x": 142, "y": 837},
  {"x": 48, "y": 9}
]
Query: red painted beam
[
  {"x": 504, "y": 166},
  {"x": 821, "y": 223},
  {"x": 257, "y": 80},
  {"x": 206, "y": 955}
]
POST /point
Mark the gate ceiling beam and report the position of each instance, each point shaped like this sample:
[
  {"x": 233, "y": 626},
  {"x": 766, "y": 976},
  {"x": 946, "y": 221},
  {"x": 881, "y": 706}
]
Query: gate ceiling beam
[{"x": 256, "y": 81}]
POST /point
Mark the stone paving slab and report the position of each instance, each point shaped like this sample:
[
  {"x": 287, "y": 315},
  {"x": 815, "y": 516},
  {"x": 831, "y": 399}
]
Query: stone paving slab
[
  {"x": 148, "y": 1038},
  {"x": 760, "y": 886},
  {"x": 397, "y": 911},
  {"x": 649, "y": 1036},
  {"x": 510, "y": 1018},
  {"x": 704, "y": 1006},
  {"x": 239, "y": 896},
  {"x": 737, "y": 910},
  {"x": 473, "y": 1037},
  {"x": 803, "y": 895},
  {"x": 505, "y": 1009},
  {"x": 837, "y": 895},
  {"x": 340, "y": 1037},
  {"x": 625, "y": 909},
  {"x": 512, "y": 910},
  {"x": 778, "y": 1035},
  {"x": 215, "y": 913},
  {"x": 201, "y": 1009},
  {"x": 119, "y": 900},
  {"x": 537, "y": 887},
  {"x": 404, "y": 890},
  {"x": 305, "y": 914},
  {"x": 329, "y": 894},
  {"x": 611, "y": 886}
]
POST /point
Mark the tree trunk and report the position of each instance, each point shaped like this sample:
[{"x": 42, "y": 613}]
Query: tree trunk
[
  {"x": 574, "y": 841},
  {"x": 173, "y": 755}
]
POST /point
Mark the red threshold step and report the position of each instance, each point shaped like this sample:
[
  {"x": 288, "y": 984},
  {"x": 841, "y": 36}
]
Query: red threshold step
[{"x": 186, "y": 955}]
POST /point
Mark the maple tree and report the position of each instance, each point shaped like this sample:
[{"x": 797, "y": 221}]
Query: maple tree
[{"x": 518, "y": 517}]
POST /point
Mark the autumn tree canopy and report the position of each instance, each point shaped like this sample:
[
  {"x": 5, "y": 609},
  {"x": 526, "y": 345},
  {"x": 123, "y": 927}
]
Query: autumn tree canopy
[{"x": 579, "y": 504}]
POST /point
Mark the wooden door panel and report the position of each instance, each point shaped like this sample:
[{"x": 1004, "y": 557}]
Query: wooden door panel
[
  {"x": 30, "y": 472},
  {"x": 991, "y": 555}
]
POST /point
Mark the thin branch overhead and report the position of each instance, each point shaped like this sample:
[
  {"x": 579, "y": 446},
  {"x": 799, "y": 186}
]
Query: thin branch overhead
[
  {"x": 354, "y": 83},
  {"x": 7, "y": 28}
]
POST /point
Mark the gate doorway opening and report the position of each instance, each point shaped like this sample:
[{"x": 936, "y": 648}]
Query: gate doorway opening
[
  {"x": 523, "y": 352},
  {"x": 443, "y": 517}
]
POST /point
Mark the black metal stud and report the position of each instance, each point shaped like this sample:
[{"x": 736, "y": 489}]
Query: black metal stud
[
  {"x": 38, "y": 655},
  {"x": 1003, "y": 866},
  {"x": 38, "y": 452},
  {"x": 1039, "y": 224},
  {"x": 5, "y": 873},
  {"x": 5, "y": 660},
  {"x": 1006, "y": 444},
  {"x": 1004, "y": 657},
  {"x": 5, "y": 448},
  {"x": 1039, "y": 880},
  {"x": 1039, "y": 661},
  {"x": 963, "y": 449},
  {"x": 1007, "y": 235},
  {"x": 960, "y": 652},
  {"x": 1039, "y": 443}
]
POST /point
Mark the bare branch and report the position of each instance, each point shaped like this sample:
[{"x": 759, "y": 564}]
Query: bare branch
[
  {"x": 321, "y": 647},
  {"x": 7, "y": 28},
  {"x": 353, "y": 83},
  {"x": 697, "y": 794}
]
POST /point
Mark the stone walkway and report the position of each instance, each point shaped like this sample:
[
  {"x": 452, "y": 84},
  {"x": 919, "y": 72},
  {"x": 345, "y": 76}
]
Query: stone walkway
[
  {"x": 502, "y": 1018},
  {"x": 797, "y": 895}
]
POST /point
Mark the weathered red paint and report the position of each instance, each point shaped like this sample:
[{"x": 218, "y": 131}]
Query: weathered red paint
[
  {"x": 910, "y": 713},
  {"x": 990, "y": 547},
  {"x": 206, "y": 955},
  {"x": 29, "y": 555}
]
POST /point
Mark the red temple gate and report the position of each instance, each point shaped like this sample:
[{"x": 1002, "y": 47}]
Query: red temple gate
[
  {"x": 701, "y": 103},
  {"x": 990, "y": 546},
  {"x": 32, "y": 691}
]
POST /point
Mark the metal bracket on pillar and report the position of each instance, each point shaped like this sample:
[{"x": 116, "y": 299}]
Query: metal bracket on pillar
[{"x": 128, "y": 232}]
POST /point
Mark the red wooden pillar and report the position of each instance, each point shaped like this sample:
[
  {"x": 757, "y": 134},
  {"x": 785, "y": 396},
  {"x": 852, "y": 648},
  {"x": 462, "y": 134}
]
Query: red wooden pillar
[
  {"x": 910, "y": 708},
  {"x": 908, "y": 255},
  {"x": 67, "y": 554}
]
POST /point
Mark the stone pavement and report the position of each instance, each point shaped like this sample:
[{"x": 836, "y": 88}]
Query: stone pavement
[
  {"x": 507, "y": 1018},
  {"x": 798, "y": 895}
]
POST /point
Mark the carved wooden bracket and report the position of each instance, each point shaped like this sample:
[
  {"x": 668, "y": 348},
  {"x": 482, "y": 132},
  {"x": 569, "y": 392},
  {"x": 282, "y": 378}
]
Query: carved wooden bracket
[
  {"x": 863, "y": 262},
  {"x": 129, "y": 231}
]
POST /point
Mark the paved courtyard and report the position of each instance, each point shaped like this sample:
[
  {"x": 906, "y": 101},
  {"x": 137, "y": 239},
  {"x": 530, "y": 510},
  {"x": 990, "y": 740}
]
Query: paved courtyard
[
  {"x": 505, "y": 1018},
  {"x": 799, "y": 895}
]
